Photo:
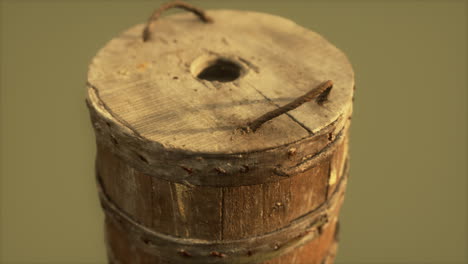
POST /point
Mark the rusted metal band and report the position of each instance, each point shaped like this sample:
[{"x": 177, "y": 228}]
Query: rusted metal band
[
  {"x": 248, "y": 250},
  {"x": 218, "y": 170}
]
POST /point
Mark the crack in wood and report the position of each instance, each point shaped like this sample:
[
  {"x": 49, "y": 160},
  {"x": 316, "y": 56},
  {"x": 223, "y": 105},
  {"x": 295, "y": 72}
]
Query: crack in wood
[
  {"x": 111, "y": 113},
  {"x": 288, "y": 114}
]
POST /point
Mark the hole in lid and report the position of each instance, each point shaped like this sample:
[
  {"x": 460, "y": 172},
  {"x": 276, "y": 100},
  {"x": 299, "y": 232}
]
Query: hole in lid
[{"x": 216, "y": 69}]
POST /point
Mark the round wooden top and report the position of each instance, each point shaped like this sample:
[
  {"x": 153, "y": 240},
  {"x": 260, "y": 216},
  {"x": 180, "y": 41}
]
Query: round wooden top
[{"x": 193, "y": 84}]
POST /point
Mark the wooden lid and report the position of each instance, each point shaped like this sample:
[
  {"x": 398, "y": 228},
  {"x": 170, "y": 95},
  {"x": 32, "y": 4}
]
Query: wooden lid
[{"x": 193, "y": 84}]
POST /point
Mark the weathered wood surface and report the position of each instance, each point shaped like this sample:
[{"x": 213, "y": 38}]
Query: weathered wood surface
[
  {"x": 149, "y": 88},
  {"x": 172, "y": 159},
  {"x": 219, "y": 214}
]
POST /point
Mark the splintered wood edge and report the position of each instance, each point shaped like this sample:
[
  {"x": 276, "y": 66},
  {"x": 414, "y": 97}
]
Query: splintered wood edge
[
  {"x": 247, "y": 250},
  {"x": 337, "y": 111},
  {"x": 123, "y": 129},
  {"x": 194, "y": 169}
]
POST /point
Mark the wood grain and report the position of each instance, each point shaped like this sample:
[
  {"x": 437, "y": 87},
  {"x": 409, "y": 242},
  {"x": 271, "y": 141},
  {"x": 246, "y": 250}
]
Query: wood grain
[
  {"x": 152, "y": 90},
  {"x": 173, "y": 161}
]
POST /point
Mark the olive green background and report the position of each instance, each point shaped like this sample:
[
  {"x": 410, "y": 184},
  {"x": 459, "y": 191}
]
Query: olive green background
[{"x": 407, "y": 198}]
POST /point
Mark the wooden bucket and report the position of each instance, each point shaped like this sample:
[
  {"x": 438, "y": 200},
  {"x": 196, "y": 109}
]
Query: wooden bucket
[{"x": 221, "y": 137}]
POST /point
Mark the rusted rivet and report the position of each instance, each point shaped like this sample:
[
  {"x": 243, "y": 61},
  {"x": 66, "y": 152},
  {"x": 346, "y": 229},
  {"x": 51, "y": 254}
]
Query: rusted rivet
[
  {"x": 244, "y": 168},
  {"x": 220, "y": 170},
  {"x": 307, "y": 157},
  {"x": 146, "y": 241},
  {"x": 217, "y": 254},
  {"x": 280, "y": 172},
  {"x": 142, "y": 158},
  {"x": 184, "y": 253},
  {"x": 305, "y": 233},
  {"x": 320, "y": 230},
  {"x": 187, "y": 169},
  {"x": 114, "y": 140},
  {"x": 292, "y": 152}
]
